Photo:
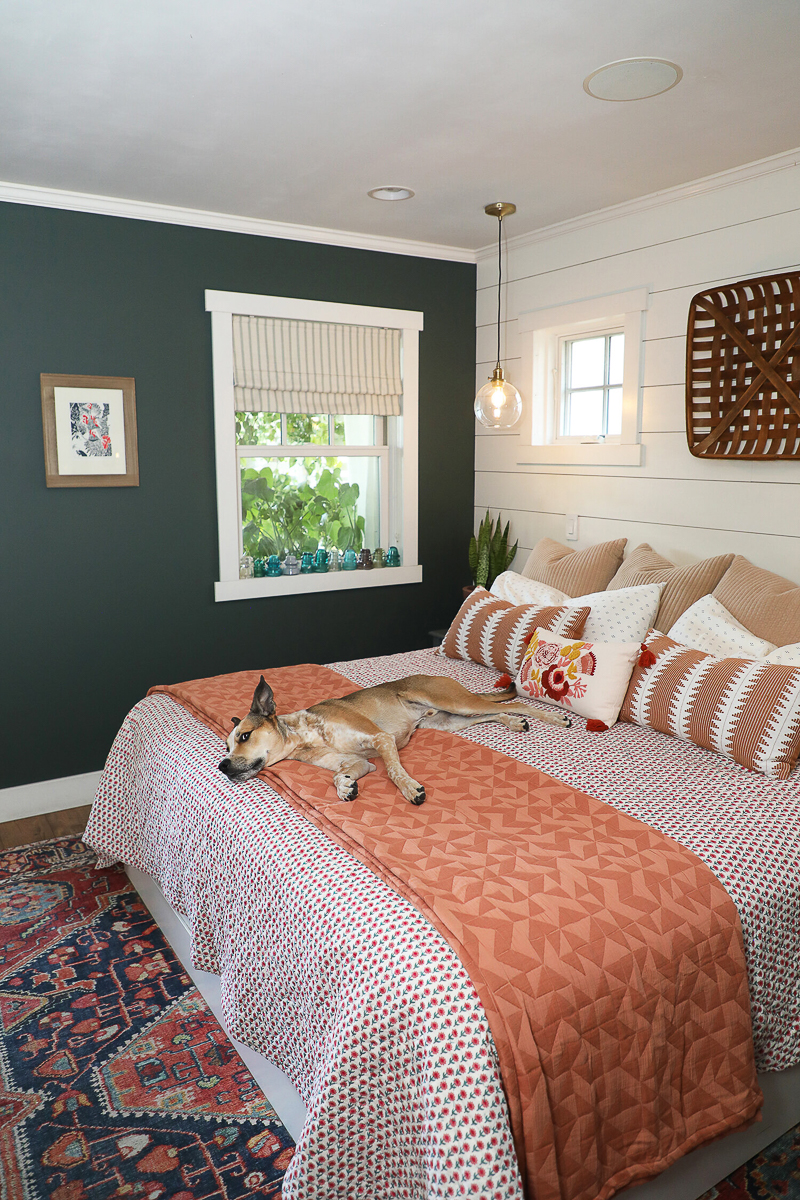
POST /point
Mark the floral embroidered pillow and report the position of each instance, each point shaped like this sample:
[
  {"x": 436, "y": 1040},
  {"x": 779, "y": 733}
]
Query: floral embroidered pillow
[{"x": 589, "y": 678}]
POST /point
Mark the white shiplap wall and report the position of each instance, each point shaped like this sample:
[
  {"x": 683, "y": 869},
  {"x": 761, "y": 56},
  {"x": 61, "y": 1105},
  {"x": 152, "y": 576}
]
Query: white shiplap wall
[{"x": 743, "y": 225}]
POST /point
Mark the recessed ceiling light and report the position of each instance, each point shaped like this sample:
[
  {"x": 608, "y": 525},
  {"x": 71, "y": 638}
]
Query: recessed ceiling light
[
  {"x": 633, "y": 79},
  {"x": 391, "y": 193}
]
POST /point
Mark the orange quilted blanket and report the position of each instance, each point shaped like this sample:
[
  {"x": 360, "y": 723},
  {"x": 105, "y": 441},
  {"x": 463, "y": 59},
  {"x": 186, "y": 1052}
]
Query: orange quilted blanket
[{"x": 608, "y": 958}]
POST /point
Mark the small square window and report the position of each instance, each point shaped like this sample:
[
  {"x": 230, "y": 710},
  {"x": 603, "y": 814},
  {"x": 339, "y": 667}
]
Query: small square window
[{"x": 591, "y": 387}]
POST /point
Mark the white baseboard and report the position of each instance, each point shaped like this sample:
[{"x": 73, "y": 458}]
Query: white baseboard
[{"x": 47, "y": 796}]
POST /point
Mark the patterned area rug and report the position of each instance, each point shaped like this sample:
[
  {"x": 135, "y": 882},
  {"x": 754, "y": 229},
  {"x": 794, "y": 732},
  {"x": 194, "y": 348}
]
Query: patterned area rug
[
  {"x": 115, "y": 1078},
  {"x": 774, "y": 1174}
]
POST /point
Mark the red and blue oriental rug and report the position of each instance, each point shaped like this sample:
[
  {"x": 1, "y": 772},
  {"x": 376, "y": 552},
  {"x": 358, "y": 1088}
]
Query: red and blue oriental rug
[
  {"x": 116, "y": 1081},
  {"x": 115, "y": 1078}
]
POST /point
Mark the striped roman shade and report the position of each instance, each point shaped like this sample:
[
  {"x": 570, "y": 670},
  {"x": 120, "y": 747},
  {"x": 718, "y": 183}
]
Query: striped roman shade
[
  {"x": 288, "y": 366},
  {"x": 746, "y": 709},
  {"x": 495, "y": 633}
]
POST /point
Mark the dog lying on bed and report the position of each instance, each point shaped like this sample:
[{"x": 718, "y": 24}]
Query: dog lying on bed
[{"x": 343, "y": 735}]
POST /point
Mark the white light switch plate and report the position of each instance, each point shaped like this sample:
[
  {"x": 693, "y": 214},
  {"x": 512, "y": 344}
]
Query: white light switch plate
[{"x": 572, "y": 527}]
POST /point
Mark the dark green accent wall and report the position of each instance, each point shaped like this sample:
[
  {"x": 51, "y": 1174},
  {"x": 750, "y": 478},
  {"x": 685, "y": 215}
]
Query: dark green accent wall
[{"x": 107, "y": 591}]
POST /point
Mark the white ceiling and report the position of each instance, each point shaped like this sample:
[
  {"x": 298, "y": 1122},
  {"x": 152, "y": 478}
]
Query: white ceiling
[{"x": 291, "y": 111}]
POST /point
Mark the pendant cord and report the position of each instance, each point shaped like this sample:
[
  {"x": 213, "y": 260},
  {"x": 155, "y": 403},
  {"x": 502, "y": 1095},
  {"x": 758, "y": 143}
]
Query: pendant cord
[{"x": 499, "y": 279}]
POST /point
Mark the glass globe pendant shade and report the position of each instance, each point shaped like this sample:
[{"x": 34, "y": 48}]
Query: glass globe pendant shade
[{"x": 498, "y": 405}]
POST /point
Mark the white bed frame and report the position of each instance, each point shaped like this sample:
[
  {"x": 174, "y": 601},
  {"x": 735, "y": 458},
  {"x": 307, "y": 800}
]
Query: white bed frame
[{"x": 686, "y": 1179}]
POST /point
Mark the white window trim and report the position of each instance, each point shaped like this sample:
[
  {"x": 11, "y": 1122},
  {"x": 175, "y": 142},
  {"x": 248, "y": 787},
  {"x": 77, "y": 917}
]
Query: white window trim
[
  {"x": 541, "y": 334},
  {"x": 223, "y": 306}
]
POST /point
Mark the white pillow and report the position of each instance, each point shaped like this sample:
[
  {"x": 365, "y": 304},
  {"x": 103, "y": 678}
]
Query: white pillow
[
  {"x": 708, "y": 626},
  {"x": 623, "y": 615},
  {"x": 785, "y": 656},
  {"x": 512, "y": 586},
  {"x": 590, "y": 678}
]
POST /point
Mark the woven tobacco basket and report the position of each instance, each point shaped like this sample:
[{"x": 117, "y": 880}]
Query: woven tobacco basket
[{"x": 743, "y": 369}]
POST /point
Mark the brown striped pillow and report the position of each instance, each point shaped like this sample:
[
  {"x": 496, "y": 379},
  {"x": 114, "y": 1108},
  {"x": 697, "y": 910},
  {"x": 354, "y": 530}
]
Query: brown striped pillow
[
  {"x": 684, "y": 585},
  {"x": 766, "y": 604},
  {"x": 495, "y": 633},
  {"x": 576, "y": 572},
  {"x": 746, "y": 709}
]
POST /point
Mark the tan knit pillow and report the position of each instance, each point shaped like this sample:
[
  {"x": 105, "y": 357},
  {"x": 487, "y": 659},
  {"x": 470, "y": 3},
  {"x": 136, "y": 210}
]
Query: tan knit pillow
[
  {"x": 495, "y": 633},
  {"x": 746, "y": 709},
  {"x": 766, "y": 604},
  {"x": 685, "y": 585},
  {"x": 574, "y": 571}
]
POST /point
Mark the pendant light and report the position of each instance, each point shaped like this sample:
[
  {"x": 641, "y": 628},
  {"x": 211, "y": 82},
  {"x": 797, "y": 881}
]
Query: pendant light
[{"x": 498, "y": 404}]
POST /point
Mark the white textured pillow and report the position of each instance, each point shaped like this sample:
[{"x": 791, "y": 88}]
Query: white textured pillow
[
  {"x": 515, "y": 588},
  {"x": 590, "y": 678},
  {"x": 624, "y": 615},
  {"x": 708, "y": 626},
  {"x": 785, "y": 656}
]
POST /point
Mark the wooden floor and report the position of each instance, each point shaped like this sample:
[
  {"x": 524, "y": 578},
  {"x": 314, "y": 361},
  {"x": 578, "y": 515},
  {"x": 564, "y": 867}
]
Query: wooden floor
[{"x": 48, "y": 825}]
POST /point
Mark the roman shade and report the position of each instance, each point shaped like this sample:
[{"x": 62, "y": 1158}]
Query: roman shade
[{"x": 282, "y": 365}]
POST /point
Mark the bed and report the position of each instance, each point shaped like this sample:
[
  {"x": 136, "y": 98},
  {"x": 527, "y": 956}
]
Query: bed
[{"x": 353, "y": 992}]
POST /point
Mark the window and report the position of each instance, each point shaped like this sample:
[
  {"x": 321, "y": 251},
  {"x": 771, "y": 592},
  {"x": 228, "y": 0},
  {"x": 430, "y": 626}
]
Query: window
[
  {"x": 310, "y": 481},
  {"x": 580, "y": 375},
  {"x": 591, "y": 387},
  {"x": 316, "y": 437}
]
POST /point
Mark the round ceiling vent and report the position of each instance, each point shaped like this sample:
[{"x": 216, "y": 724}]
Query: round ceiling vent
[
  {"x": 633, "y": 79},
  {"x": 391, "y": 193}
]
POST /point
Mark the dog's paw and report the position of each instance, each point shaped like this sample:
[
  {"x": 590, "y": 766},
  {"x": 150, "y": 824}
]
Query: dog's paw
[
  {"x": 419, "y": 796},
  {"x": 518, "y": 724},
  {"x": 567, "y": 723},
  {"x": 347, "y": 789}
]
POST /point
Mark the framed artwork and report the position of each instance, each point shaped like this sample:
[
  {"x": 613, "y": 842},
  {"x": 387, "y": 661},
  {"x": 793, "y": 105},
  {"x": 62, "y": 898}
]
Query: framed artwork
[{"x": 89, "y": 424}]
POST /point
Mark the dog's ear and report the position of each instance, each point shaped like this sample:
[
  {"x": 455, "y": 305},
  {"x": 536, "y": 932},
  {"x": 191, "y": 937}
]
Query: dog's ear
[
  {"x": 236, "y": 720},
  {"x": 263, "y": 700}
]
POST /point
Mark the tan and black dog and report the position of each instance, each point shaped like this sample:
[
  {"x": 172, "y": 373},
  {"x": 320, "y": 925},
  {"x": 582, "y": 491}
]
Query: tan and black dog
[{"x": 342, "y": 735}]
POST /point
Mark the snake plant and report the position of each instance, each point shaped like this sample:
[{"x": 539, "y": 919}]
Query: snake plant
[{"x": 489, "y": 554}]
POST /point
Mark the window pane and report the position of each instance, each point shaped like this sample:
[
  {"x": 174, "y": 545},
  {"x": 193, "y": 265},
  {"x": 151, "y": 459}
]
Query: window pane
[
  {"x": 615, "y": 357},
  {"x": 258, "y": 429},
  {"x": 587, "y": 358},
  {"x": 584, "y": 414},
  {"x": 355, "y": 431},
  {"x": 294, "y": 504},
  {"x": 304, "y": 429},
  {"x": 614, "y": 411}
]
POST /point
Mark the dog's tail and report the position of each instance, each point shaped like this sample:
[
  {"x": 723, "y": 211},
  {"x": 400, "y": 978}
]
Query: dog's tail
[{"x": 498, "y": 695}]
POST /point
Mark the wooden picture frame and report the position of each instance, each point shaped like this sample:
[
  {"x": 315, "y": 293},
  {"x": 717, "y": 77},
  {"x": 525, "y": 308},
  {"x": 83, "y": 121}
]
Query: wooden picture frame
[{"x": 89, "y": 440}]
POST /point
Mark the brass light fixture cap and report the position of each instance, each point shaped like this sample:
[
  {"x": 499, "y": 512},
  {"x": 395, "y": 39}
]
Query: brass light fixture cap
[{"x": 500, "y": 209}]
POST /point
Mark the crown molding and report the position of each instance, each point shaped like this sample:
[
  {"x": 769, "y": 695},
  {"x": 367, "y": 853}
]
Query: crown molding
[
  {"x": 140, "y": 210},
  {"x": 682, "y": 191}
]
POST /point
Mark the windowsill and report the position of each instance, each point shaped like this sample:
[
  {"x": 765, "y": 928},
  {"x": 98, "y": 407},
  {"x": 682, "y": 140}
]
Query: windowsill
[
  {"x": 582, "y": 454},
  {"x": 303, "y": 585}
]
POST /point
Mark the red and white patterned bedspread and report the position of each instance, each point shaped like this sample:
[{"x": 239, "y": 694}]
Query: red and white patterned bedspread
[{"x": 346, "y": 987}]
